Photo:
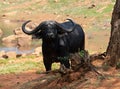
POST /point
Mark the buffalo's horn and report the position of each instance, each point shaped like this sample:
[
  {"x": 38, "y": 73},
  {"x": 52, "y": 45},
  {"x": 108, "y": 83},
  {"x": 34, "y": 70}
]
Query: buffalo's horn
[
  {"x": 29, "y": 32},
  {"x": 66, "y": 29}
]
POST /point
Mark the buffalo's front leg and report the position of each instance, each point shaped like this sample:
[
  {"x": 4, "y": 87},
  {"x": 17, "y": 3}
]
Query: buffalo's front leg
[{"x": 47, "y": 64}]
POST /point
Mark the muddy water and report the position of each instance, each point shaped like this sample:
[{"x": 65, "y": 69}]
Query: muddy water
[{"x": 7, "y": 28}]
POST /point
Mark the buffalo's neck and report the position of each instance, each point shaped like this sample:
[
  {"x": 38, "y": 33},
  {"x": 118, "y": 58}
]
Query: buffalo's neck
[
  {"x": 50, "y": 44},
  {"x": 49, "y": 48},
  {"x": 49, "y": 41}
]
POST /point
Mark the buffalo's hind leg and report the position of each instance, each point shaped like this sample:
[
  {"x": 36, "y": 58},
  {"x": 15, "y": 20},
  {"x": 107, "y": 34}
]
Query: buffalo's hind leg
[
  {"x": 82, "y": 46},
  {"x": 64, "y": 66},
  {"x": 66, "y": 63}
]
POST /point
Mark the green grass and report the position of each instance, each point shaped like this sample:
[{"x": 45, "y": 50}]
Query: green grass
[
  {"x": 55, "y": 66},
  {"x": 63, "y": 7},
  {"x": 3, "y": 61},
  {"x": 11, "y": 66},
  {"x": 28, "y": 57},
  {"x": 108, "y": 8},
  {"x": 60, "y": 7},
  {"x": 7, "y": 28},
  {"x": 8, "y": 3},
  {"x": 18, "y": 67},
  {"x": 68, "y": 7}
]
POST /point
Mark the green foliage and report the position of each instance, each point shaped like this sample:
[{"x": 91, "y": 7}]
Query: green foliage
[{"x": 82, "y": 53}]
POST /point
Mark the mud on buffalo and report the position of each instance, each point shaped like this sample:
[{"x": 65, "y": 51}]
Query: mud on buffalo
[{"x": 58, "y": 40}]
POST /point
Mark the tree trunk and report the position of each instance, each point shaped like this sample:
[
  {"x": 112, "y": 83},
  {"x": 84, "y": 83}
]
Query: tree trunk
[{"x": 113, "y": 50}]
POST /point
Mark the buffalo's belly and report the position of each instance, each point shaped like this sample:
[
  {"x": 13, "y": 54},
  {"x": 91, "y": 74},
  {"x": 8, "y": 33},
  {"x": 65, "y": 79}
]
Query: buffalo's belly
[
  {"x": 75, "y": 46},
  {"x": 53, "y": 57},
  {"x": 55, "y": 60}
]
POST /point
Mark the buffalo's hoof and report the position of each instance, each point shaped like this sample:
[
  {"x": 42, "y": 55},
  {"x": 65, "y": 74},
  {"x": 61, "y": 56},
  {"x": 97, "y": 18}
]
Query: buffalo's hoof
[{"x": 47, "y": 72}]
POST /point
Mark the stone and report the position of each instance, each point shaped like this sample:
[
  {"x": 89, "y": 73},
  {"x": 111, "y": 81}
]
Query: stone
[
  {"x": 2, "y": 53},
  {"x": 37, "y": 51},
  {"x": 19, "y": 39},
  {"x": 18, "y": 31},
  {"x": 24, "y": 41},
  {"x": 9, "y": 41},
  {"x": 11, "y": 54}
]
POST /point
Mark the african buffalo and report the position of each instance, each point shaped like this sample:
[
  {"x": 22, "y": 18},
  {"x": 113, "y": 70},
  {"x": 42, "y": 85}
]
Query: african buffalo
[{"x": 58, "y": 40}]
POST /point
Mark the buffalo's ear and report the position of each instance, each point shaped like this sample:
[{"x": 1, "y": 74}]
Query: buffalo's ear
[
  {"x": 59, "y": 30},
  {"x": 62, "y": 28}
]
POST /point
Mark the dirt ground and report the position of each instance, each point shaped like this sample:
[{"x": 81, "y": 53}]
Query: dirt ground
[
  {"x": 9, "y": 81},
  {"x": 32, "y": 80}
]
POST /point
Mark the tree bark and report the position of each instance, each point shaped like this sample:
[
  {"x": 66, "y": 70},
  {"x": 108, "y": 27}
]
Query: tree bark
[{"x": 113, "y": 50}]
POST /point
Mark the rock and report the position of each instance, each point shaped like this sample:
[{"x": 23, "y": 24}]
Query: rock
[
  {"x": 7, "y": 21},
  {"x": 24, "y": 55},
  {"x": 1, "y": 32},
  {"x": 11, "y": 54},
  {"x": 19, "y": 39},
  {"x": 56, "y": 1},
  {"x": 2, "y": 53},
  {"x": 9, "y": 41},
  {"x": 18, "y": 31},
  {"x": 3, "y": 15},
  {"x": 92, "y": 6},
  {"x": 24, "y": 40},
  {"x": 37, "y": 51}
]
